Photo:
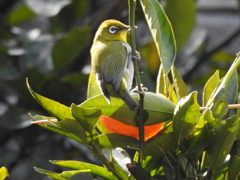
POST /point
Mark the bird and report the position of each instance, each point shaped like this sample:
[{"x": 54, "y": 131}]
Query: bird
[{"x": 111, "y": 60}]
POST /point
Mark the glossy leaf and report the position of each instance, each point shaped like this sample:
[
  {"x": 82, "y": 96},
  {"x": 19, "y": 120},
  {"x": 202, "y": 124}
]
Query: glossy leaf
[
  {"x": 223, "y": 141},
  {"x": 225, "y": 80},
  {"x": 209, "y": 87},
  {"x": 67, "y": 175},
  {"x": 87, "y": 117},
  {"x": 67, "y": 127},
  {"x": 93, "y": 88},
  {"x": 159, "y": 146},
  {"x": 182, "y": 17},
  {"x": 157, "y": 108},
  {"x": 3, "y": 173},
  {"x": 185, "y": 116},
  {"x": 50, "y": 174},
  {"x": 68, "y": 47},
  {"x": 78, "y": 174},
  {"x": 96, "y": 170},
  {"x": 199, "y": 142},
  {"x": 234, "y": 163},
  {"x": 162, "y": 32},
  {"x": 231, "y": 88},
  {"x": 117, "y": 140},
  {"x": 179, "y": 85},
  {"x": 56, "y": 109}
]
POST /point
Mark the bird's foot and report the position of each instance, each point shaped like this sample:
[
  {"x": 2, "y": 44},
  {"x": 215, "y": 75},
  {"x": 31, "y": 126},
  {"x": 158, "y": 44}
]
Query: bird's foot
[
  {"x": 137, "y": 57},
  {"x": 142, "y": 91}
]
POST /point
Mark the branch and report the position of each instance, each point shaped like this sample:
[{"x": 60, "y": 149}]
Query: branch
[{"x": 140, "y": 117}]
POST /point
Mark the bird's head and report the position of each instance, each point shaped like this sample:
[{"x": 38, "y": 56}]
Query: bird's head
[{"x": 112, "y": 30}]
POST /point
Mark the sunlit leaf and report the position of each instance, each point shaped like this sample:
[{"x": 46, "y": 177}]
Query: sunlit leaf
[
  {"x": 68, "y": 47},
  {"x": 157, "y": 108},
  {"x": 162, "y": 32},
  {"x": 56, "y": 109},
  {"x": 87, "y": 117},
  {"x": 50, "y": 174},
  {"x": 67, "y": 127},
  {"x": 67, "y": 175},
  {"x": 185, "y": 116},
  {"x": 78, "y": 174},
  {"x": 234, "y": 163},
  {"x": 96, "y": 170},
  {"x": 117, "y": 140},
  {"x": 225, "y": 80},
  {"x": 182, "y": 17},
  {"x": 199, "y": 142},
  {"x": 93, "y": 88},
  {"x": 179, "y": 85},
  {"x": 223, "y": 141},
  {"x": 159, "y": 146},
  {"x": 3, "y": 173},
  {"x": 209, "y": 87}
]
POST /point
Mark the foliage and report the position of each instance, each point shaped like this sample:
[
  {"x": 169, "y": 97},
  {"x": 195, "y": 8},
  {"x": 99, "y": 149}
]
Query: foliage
[
  {"x": 3, "y": 173},
  {"x": 193, "y": 143},
  {"x": 51, "y": 48}
]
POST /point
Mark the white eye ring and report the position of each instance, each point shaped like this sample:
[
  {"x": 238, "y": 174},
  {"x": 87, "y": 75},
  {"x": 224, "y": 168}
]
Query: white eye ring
[{"x": 113, "y": 29}]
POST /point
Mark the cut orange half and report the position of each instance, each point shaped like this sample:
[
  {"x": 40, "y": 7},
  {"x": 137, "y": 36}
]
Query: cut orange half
[{"x": 114, "y": 126}]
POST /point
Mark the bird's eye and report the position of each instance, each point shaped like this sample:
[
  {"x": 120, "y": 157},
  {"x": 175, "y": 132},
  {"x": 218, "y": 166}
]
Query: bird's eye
[{"x": 113, "y": 29}]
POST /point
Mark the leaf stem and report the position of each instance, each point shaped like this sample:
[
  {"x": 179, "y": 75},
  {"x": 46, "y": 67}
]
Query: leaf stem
[{"x": 140, "y": 116}]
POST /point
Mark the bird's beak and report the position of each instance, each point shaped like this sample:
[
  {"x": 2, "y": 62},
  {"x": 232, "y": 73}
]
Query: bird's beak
[{"x": 124, "y": 28}]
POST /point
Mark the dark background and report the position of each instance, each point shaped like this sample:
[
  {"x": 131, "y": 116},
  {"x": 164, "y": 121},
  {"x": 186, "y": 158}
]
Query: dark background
[{"x": 49, "y": 41}]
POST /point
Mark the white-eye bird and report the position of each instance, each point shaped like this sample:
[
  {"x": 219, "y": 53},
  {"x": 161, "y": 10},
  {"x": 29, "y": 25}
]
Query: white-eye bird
[{"x": 112, "y": 61}]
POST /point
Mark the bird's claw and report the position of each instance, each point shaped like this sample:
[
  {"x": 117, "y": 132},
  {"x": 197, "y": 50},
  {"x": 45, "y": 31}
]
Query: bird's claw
[
  {"x": 142, "y": 91},
  {"x": 137, "y": 57}
]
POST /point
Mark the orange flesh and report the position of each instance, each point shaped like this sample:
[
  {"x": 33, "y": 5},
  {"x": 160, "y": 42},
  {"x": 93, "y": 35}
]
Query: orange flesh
[{"x": 114, "y": 126}]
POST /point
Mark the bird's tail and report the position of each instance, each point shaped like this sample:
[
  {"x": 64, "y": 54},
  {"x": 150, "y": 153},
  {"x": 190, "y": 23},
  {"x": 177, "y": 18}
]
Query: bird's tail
[{"x": 126, "y": 97}]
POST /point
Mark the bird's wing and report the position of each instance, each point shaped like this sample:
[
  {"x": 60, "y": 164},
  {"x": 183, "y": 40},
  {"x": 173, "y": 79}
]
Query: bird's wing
[{"x": 115, "y": 65}]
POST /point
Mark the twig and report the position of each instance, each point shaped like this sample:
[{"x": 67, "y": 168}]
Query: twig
[{"x": 140, "y": 116}]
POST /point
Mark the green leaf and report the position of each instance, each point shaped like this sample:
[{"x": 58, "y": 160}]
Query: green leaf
[
  {"x": 209, "y": 87},
  {"x": 223, "y": 141},
  {"x": 87, "y": 117},
  {"x": 185, "y": 116},
  {"x": 179, "y": 85},
  {"x": 3, "y": 173},
  {"x": 67, "y": 175},
  {"x": 231, "y": 88},
  {"x": 199, "y": 142},
  {"x": 116, "y": 140},
  {"x": 157, "y": 108},
  {"x": 182, "y": 17},
  {"x": 69, "y": 46},
  {"x": 96, "y": 170},
  {"x": 234, "y": 163},
  {"x": 157, "y": 148},
  {"x": 67, "y": 127},
  {"x": 162, "y": 32},
  {"x": 77, "y": 175},
  {"x": 20, "y": 14},
  {"x": 93, "y": 88},
  {"x": 56, "y": 109},
  {"x": 161, "y": 82},
  {"x": 225, "y": 80},
  {"x": 50, "y": 174}
]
